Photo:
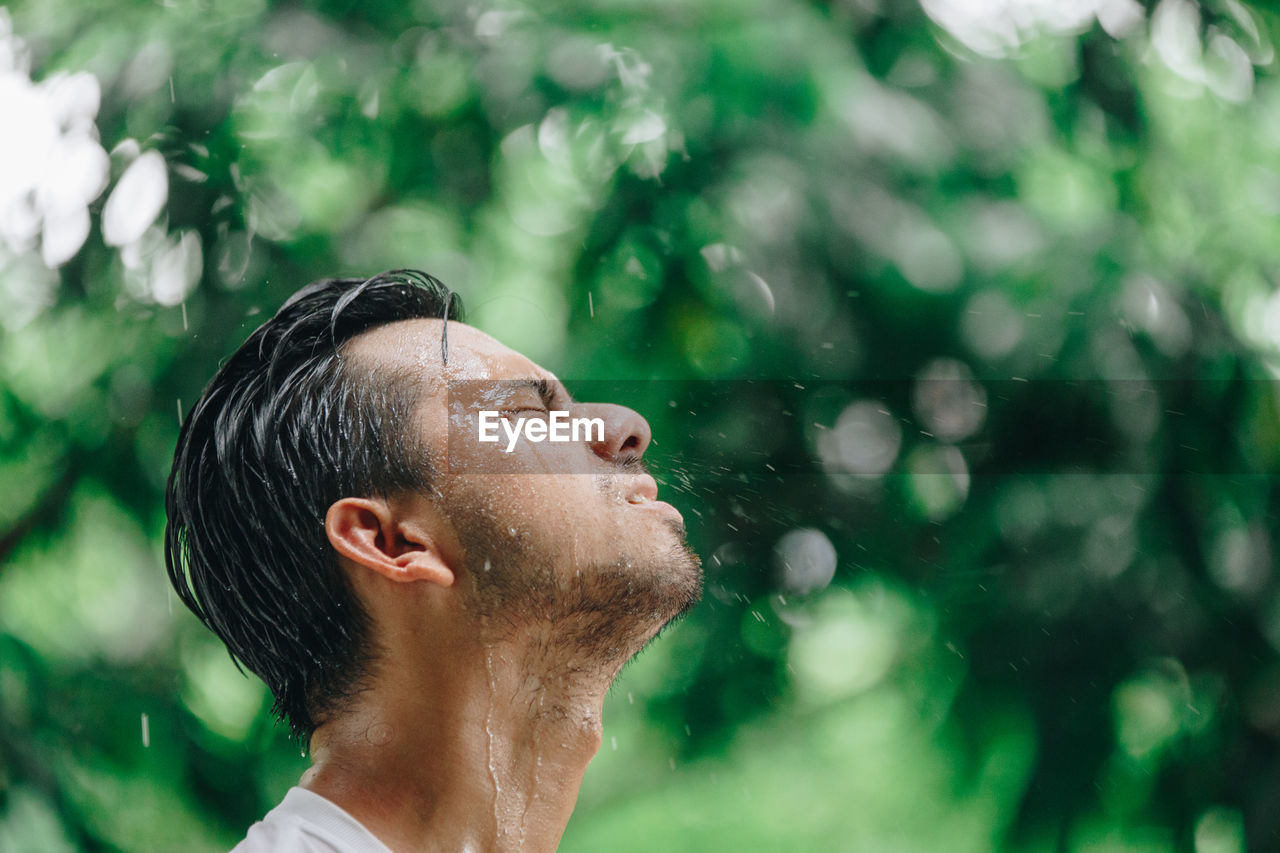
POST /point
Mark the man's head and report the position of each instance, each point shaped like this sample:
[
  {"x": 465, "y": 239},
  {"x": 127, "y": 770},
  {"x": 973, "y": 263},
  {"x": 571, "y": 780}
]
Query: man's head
[{"x": 339, "y": 444}]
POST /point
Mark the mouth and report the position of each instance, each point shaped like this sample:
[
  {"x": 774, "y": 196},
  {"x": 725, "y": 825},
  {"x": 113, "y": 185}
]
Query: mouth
[{"x": 643, "y": 493}]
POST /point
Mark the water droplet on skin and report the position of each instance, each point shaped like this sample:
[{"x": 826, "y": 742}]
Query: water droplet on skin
[{"x": 488, "y": 730}]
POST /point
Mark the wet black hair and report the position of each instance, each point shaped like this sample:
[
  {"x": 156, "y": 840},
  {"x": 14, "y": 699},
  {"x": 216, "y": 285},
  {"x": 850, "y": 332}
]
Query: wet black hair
[{"x": 286, "y": 427}]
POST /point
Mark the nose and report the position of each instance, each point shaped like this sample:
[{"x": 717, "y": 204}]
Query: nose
[{"x": 626, "y": 433}]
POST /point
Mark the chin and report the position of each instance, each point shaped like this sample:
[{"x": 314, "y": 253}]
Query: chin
[{"x": 683, "y": 569}]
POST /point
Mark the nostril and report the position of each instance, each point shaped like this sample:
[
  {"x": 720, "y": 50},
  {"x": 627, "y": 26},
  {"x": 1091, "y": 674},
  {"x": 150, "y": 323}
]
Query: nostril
[{"x": 626, "y": 434}]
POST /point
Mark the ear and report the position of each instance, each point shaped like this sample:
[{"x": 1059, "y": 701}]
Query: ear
[{"x": 368, "y": 532}]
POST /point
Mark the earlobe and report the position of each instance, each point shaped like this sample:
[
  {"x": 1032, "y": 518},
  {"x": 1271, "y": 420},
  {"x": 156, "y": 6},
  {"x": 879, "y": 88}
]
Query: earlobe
[{"x": 367, "y": 532}]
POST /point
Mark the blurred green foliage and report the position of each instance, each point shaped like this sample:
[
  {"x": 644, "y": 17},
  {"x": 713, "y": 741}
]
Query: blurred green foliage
[{"x": 982, "y": 487}]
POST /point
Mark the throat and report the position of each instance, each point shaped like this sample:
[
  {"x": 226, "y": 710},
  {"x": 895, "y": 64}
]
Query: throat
[
  {"x": 541, "y": 728},
  {"x": 487, "y": 754}
]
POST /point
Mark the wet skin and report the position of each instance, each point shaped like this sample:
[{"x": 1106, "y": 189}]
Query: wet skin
[{"x": 503, "y": 605}]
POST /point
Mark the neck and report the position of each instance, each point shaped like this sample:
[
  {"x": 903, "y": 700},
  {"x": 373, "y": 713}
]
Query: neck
[{"x": 484, "y": 753}]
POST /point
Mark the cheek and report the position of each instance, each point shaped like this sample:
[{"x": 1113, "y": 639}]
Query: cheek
[
  {"x": 569, "y": 514},
  {"x": 555, "y": 503}
]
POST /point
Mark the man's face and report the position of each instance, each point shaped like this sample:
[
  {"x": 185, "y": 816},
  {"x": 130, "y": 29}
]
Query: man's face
[{"x": 557, "y": 531}]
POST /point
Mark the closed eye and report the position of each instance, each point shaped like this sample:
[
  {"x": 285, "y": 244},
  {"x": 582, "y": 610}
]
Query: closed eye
[
  {"x": 522, "y": 391},
  {"x": 546, "y": 392},
  {"x": 544, "y": 389}
]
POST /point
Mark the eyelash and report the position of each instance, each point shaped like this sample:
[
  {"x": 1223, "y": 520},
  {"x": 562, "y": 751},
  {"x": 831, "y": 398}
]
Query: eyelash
[{"x": 545, "y": 392}]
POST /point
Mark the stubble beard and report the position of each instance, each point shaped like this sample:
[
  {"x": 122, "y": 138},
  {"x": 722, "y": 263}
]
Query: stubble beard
[{"x": 592, "y": 616}]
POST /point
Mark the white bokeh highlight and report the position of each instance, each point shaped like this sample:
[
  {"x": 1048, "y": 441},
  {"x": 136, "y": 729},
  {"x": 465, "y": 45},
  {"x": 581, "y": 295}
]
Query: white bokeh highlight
[
  {"x": 136, "y": 201},
  {"x": 864, "y": 441},
  {"x": 52, "y": 166},
  {"x": 53, "y": 169},
  {"x": 805, "y": 561}
]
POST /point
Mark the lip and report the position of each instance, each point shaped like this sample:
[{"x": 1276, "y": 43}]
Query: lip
[
  {"x": 646, "y": 487},
  {"x": 661, "y": 507}
]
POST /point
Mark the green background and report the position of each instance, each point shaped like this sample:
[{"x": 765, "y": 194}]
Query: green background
[{"x": 972, "y": 304}]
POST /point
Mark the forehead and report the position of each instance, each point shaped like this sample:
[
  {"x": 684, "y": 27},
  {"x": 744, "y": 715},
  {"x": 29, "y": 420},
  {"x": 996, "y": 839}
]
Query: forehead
[{"x": 473, "y": 355}]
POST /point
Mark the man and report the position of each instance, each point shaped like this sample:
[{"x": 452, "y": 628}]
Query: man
[{"x": 440, "y": 614}]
